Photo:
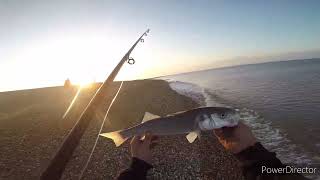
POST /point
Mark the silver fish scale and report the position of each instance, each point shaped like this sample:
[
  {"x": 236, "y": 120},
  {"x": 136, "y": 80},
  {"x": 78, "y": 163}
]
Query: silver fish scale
[{"x": 163, "y": 126}]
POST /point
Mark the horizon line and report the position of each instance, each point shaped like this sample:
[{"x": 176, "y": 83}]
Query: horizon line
[{"x": 175, "y": 74}]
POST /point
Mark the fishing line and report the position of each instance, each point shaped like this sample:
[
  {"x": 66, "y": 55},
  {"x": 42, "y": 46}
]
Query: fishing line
[
  {"x": 72, "y": 102},
  {"x": 60, "y": 159},
  {"x": 95, "y": 144}
]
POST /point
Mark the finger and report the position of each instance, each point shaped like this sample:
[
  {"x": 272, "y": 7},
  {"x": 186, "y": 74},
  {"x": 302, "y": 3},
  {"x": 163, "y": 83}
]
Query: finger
[
  {"x": 225, "y": 132},
  {"x": 242, "y": 125},
  {"x": 228, "y": 132},
  {"x": 136, "y": 140},
  {"x": 218, "y": 132},
  {"x": 148, "y": 138}
]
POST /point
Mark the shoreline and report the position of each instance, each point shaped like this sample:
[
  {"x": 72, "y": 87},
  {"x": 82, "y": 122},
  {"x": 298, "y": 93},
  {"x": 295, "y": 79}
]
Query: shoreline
[{"x": 32, "y": 130}]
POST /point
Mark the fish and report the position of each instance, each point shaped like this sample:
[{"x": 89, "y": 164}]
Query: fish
[{"x": 190, "y": 122}]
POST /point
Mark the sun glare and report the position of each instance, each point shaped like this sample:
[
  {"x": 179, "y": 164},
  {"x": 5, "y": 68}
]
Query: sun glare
[
  {"x": 83, "y": 57},
  {"x": 84, "y": 82}
]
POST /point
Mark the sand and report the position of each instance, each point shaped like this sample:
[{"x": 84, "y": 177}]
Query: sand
[{"x": 31, "y": 130}]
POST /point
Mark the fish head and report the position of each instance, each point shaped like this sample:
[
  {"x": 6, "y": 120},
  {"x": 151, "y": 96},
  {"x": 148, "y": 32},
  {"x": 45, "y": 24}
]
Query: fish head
[{"x": 218, "y": 117}]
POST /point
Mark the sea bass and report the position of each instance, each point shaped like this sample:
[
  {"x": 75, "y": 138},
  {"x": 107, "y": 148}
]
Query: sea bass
[{"x": 190, "y": 122}]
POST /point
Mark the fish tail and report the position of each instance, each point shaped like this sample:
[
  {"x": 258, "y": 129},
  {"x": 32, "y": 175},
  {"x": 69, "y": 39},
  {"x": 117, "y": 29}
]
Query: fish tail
[{"x": 117, "y": 137}]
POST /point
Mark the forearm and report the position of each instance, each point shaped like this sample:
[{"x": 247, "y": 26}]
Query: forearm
[
  {"x": 254, "y": 158},
  {"x": 137, "y": 170}
]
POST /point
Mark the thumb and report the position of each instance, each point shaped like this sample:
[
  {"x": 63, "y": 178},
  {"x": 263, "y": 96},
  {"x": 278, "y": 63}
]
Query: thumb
[
  {"x": 135, "y": 140},
  {"x": 225, "y": 132},
  {"x": 218, "y": 132},
  {"x": 148, "y": 138}
]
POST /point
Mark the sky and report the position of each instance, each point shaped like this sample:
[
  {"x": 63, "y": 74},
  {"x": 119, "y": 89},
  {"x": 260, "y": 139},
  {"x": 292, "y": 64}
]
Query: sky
[{"x": 44, "y": 42}]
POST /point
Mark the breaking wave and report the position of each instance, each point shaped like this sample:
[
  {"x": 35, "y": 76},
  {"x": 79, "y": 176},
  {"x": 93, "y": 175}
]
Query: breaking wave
[
  {"x": 188, "y": 89},
  {"x": 274, "y": 139},
  {"x": 193, "y": 91}
]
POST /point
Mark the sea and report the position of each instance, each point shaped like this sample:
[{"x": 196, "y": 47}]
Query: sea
[{"x": 279, "y": 100}]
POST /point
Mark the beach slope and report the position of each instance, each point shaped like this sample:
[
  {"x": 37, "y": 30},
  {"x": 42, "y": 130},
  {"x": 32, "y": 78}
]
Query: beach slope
[{"x": 31, "y": 130}]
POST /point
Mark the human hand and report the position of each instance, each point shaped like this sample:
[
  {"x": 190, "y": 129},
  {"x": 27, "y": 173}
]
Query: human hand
[
  {"x": 235, "y": 139},
  {"x": 141, "y": 149}
]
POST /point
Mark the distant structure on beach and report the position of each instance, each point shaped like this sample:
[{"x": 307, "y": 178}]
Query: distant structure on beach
[{"x": 67, "y": 83}]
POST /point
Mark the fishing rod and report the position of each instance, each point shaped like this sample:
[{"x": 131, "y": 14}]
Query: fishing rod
[{"x": 60, "y": 159}]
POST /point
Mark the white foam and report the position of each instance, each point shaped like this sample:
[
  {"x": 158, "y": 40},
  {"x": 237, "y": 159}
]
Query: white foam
[
  {"x": 272, "y": 138},
  {"x": 275, "y": 140},
  {"x": 193, "y": 91}
]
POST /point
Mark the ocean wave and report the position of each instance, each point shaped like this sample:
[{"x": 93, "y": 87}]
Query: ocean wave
[
  {"x": 193, "y": 91},
  {"x": 274, "y": 139}
]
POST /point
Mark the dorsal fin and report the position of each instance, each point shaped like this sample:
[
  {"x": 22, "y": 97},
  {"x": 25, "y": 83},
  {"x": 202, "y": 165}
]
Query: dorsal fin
[{"x": 149, "y": 116}]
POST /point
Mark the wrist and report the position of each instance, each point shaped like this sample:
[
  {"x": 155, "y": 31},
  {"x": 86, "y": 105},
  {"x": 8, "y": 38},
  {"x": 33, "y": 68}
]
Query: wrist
[
  {"x": 246, "y": 145},
  {"x": 144, "y": 159},
  {"x": 256, "y": 156},
  {"x": 137, "y": 163}
]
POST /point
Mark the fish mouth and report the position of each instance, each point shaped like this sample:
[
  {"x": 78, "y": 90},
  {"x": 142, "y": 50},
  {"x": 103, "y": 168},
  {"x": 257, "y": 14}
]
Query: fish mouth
[{"x": 235, "y": 118}]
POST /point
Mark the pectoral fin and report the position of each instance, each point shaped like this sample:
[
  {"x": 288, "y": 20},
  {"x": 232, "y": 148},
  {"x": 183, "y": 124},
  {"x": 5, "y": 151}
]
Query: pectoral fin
[
  {"x": 192, "y": 136},
  {"x": 149, "y": 116}
]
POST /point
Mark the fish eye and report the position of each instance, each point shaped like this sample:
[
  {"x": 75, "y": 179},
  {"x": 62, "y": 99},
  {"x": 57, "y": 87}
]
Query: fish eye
[{"x": 223, "y": 115}]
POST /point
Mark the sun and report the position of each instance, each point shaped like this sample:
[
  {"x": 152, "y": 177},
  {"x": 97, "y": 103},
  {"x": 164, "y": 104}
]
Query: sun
[{"x": 85, "y": 84}]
